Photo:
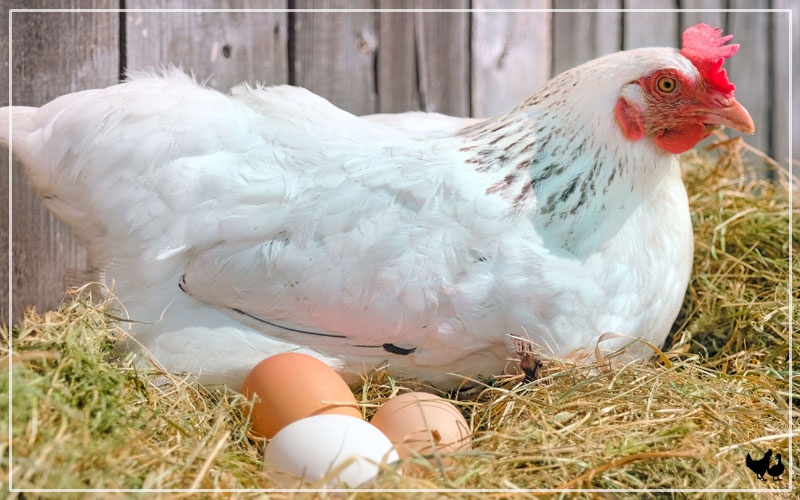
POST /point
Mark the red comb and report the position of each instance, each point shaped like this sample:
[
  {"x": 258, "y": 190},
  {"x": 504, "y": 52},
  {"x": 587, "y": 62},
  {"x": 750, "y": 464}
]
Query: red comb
[{"x": 705, "y": 47}]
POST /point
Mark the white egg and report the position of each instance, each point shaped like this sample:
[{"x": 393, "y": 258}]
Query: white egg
[{"x": 327, "y": 451}]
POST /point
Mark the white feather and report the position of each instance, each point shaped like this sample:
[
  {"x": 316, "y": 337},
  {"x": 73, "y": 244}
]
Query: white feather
[{"x": 235, "y": 227}]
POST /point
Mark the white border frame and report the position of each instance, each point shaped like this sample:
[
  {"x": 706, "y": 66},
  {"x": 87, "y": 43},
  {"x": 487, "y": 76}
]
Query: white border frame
[{"x": 791, "y": 433}]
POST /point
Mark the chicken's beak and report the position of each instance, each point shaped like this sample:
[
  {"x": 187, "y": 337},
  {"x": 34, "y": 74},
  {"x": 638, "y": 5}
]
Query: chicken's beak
[{"x": 731, "y": 114}]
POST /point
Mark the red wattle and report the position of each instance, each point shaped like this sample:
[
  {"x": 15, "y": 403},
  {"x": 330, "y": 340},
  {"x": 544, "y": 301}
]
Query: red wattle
[{"x": 684, "y": 138}]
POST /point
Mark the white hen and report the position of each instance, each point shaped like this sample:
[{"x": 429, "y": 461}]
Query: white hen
[{"x": 236, "y": 227}]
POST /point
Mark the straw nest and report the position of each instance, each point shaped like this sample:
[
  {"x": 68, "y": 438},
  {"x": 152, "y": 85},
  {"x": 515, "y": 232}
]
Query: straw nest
[{"x": 85, "y": 419}]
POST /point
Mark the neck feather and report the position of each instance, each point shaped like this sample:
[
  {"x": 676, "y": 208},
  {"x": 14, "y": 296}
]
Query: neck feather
[{"x": 575, "y": 176}]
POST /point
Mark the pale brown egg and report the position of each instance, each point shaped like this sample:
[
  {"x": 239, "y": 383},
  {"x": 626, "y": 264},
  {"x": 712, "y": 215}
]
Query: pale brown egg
[
  {"x": 421, "y": 423},
  {"x": 291, "y": 386}
]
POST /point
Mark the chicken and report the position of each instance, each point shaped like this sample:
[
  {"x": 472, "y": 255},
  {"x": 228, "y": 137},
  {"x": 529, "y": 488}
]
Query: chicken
[
  {"x": 759, "y": 466},
  {"x": 776, "y": 470},
  {"x": 233, "y": 227}
]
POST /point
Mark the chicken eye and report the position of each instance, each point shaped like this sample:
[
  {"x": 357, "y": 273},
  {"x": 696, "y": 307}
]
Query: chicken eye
[{"x": 666, "y": 84}]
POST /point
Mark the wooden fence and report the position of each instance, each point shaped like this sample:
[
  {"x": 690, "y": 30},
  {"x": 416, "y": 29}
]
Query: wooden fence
[{"x": 462, "y": 63}]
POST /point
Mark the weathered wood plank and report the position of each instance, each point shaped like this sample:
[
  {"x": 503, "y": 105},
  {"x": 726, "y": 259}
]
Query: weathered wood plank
[
  {"x": 749, "y": 69},
  {"x": 424, "y": 59},
  {"x": 5, "y": 307},
  {"x": 579, "y": 36},
  {"x": 444, "y": 60},
  {"x": 226, "y": 48},
  {"x": 690, "y": 18},
  {"x": 650, "y": 29},
  {"x": 795, "y": 139},
  {"x": 510, "y": 54},
  {"x": 397, "y": 64},
  {"x": 782, "y": 115},
  {"x": 335, "y": 55},
  {"x": 53, "y": 53}
]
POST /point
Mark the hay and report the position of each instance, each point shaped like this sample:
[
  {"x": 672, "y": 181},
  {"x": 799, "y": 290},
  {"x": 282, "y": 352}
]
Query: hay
[{"x": 84, "y": 419}]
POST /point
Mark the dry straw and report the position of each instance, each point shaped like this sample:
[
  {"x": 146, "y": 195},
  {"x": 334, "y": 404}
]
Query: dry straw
[{"x": 86, "y": 419}]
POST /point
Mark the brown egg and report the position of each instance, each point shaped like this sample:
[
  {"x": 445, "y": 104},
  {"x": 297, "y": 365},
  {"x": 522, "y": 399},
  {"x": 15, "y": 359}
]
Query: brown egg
[
  {"x": 417, "y": 422},
  {"x": 291, "y": 386}
]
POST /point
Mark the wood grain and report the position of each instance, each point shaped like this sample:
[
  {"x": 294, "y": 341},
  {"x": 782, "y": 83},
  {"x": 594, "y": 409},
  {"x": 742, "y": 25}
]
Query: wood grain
[
  {"x": 717, "y": 18},
  {"x": 397, "y": 63},
  {"x": 424, "y": 59},
  {"x": 335, "y": 55},
  {"x": 650, "y": 29},
  {"x": 53, "y": 54},
  {"x": 783, "y": 47},
  {"x": 579, "y": 37},
  {"x": 5, "y": 263},
  {"x": 510, "y": 55},
  {"x": 443, "y": 52},
  {"x": 222, "y": 48}
]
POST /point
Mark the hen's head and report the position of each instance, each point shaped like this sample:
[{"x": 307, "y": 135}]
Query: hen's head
[{"x": 677, "y": 97}]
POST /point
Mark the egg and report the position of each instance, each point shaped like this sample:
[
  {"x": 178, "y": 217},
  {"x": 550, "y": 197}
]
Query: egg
[
  {"x": 291, "y": 386},
  {"x": 327, "y": 450},
  {"x": 421, "y": 423}
]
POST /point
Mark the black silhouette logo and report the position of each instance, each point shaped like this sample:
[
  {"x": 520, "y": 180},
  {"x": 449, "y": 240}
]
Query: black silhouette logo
[
  {"x": 776, "y": 470},
  {"x": 764, "y": 466}
]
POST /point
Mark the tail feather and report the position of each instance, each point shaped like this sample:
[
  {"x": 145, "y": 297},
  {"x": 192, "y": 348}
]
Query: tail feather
[{"x": 18, "y": 117}]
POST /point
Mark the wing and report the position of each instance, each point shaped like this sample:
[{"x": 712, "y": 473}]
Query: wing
[
  {"x": 274, "y": 206},
  {"x": 369, "y": 233}
]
